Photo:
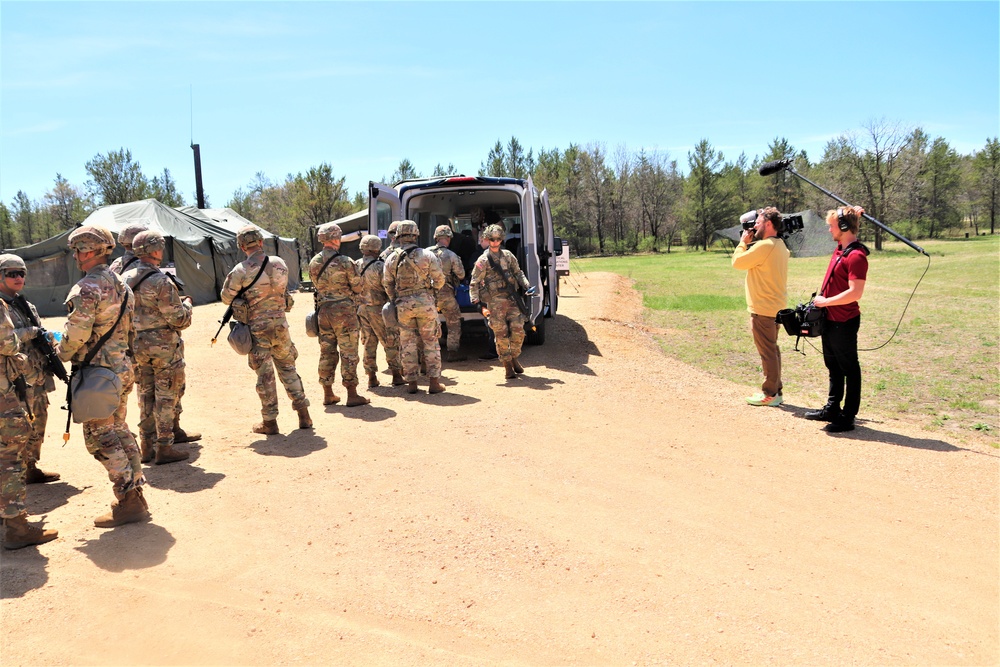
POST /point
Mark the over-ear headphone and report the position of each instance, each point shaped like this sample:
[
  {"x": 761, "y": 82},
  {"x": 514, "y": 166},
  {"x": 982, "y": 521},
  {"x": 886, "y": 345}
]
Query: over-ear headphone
[{"x": 842, "y": 222}]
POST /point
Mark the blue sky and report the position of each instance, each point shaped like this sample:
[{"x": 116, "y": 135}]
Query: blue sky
[{"x": 280, "y": 87}]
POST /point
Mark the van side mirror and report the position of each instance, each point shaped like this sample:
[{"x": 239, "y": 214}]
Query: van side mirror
[{"x": 557, "y": 246}]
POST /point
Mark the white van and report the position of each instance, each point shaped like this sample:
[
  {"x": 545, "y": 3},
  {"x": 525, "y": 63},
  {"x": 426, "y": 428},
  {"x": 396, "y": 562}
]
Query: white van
[{"x": 451, "y": 200}]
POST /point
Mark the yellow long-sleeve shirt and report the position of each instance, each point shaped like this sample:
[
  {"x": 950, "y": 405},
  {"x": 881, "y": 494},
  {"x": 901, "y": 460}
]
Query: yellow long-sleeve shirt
[{"x": 766, "y": 264}]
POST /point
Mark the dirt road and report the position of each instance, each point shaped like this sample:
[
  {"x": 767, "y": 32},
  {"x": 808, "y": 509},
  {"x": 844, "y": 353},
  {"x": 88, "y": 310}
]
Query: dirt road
[{"x": 612, "y": 507}]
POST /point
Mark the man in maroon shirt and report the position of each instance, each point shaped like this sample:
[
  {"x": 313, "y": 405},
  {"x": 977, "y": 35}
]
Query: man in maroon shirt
[{"x": 843, "y": 287}]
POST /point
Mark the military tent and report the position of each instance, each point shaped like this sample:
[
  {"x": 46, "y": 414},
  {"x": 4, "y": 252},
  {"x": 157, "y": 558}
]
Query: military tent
[
  {"x": 199, "y": 252},
  {"x": 285, "y": 248}
]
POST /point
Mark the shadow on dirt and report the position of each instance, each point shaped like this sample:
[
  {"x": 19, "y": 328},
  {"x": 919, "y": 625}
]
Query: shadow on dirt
[
  {"x": 448, "y": 398},
  {"x": 567, "y": 348},
  {"x": 868, "y": 434},
  {"x": 44, "y": 498},
  {"x": 300, "y": 442},
  {"x": 366, "y": 413},
  {"x": 134, "y": 546},
  {"x": 182, "y": 476},
  {"x": 23, "y": 570},
  {"x": 527, "y": 381}
]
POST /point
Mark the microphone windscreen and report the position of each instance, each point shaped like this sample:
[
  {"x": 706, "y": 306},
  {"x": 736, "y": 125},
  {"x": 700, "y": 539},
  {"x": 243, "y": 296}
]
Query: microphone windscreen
[{"x": 773, "y": 167}]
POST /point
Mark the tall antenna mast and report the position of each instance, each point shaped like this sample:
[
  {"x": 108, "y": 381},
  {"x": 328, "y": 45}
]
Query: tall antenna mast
[{"x": 198, "y": 188}]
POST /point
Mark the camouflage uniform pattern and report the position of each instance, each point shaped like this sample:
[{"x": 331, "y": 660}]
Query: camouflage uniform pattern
[
  {"x": 412, "y": 288},
  {"x": 40, "y": 382},
  {"x": 93, "y": 305},
  {"x": 160, "y": 316},
  {"x": 489, "y": 286},
  {"x": 272, "y": 346},
  {"x": 124, "y": 263},
  {"x": 15, "y": 431},
  {"x": 337, "y": 295},
  {"x": 373, "y": 329},
  {"x": 447, "y": 304}
]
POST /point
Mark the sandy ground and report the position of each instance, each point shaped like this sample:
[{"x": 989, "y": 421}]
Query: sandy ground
[{"x": 611, "y": 507}]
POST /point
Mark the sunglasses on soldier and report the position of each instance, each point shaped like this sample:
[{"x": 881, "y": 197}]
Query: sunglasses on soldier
[{"x": 15, "y": 273}]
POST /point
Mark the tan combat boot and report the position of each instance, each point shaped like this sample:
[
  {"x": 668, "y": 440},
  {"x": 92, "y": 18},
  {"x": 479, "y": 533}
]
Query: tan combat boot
[
  {"x": 130, "y": 509},
  {"x": 148, "y": 452},
  {"x": 170, "y": 454},
  {"x": 517, "y": 366},
  {"x": 18, "y": 533},
  {"x": 397, "y": 379},
  {"x": 509, "y": 372},
  {"x": 267, "y": 427},
  {"x": 436, "y": 386},
  {"x": 372, "y": 380},
  {"x": 329, "y": 398},
  {"x": 305, "y": 421},
  {"x": 411, "y": 387},
  {"x": 454, "y": 355},
  {"x": 33, "y": 475},
  {"x": 182, "y": 436},
  {"x": 353, "y": 397}
]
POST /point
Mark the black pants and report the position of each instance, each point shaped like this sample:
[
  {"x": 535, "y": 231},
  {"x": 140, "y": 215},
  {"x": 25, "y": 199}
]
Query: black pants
[{"x": 840, "y": 353}]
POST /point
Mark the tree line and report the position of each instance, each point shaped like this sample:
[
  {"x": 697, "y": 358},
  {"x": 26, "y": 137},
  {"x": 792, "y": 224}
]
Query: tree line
[{"x": 603, "y": 202}]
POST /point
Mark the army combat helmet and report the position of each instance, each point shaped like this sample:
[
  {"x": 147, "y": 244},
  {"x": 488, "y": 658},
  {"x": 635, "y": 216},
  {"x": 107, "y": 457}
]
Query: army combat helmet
[
  {"x": 329, "y": 232},
  {"x": 371, "y": 244},
  {"x": 148, "y": 242},
  {"x": 407, "y": 229},
  {"x": 129, "y": 232},
  {"x": 91, "y": 238},
  {"x": 10, "y": 262},
  {"x": 249, "y": 235},
  {"x": 494, "y": 233},
  {"x": 443, "y": 230}
]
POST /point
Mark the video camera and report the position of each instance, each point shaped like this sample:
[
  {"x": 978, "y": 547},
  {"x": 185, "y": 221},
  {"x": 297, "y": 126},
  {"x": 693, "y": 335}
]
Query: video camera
[
  {"x": 791, "y": 224},
  {"x": 748, "y": 220}
]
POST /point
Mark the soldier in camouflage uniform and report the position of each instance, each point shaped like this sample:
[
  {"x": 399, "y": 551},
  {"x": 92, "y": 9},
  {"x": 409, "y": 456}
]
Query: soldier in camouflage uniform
[
  {"x": 447, "y": 305},
  {"x": 337, "y": 283},
  {"x": 39, "y": 379},
  {"x": 410, "y": 278},
  {"x": 15, "y": 432},
  {"x": 268, "y": 301},
  {"x": 94, "y": 305},
  {"x": 373, "y": 328},
  {"x": 125, "y": 237},
  {"x": 160, "y": 315},
  {"x": 119, "y": 266},
  {"x": 490, "y": 286}
]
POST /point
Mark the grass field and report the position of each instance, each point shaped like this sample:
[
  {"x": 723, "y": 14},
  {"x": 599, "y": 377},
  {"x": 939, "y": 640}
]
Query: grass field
[{"x": 941, "y": 370}]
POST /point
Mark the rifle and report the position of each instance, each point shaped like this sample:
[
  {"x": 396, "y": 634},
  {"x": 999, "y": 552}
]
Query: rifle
[
  {"x": 41, "y": 342},
  {"x": 225, "y": 320},
  {"x": 516, "y": 293},
  {"x": 229, "y": 311},
  {"x": 21, "y": 389}
]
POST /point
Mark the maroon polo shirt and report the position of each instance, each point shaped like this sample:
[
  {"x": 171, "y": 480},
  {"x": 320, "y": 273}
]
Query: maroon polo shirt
[{"x": 852, "y": 267}]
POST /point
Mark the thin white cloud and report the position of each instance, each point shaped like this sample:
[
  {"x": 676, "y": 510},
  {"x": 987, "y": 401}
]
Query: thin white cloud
[{"x": 38, "y": 128}]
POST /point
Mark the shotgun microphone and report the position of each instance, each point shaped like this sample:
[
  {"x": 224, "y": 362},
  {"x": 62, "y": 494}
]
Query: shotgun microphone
[{"x": 774, "y": 167}]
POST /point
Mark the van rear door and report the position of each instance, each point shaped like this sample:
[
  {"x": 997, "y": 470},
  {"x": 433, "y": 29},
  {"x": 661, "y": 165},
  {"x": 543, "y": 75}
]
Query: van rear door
[
  {"x": 549, "y": 264},
  {"x": 384, "y": 207}
]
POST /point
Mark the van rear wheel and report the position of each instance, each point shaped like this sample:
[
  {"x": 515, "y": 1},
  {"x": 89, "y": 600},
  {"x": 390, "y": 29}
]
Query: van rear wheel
[{"x": 536, "y": 337}]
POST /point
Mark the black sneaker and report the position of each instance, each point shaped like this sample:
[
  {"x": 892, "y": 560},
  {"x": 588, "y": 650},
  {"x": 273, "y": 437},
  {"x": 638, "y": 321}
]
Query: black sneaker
[
  {"x": 839, "y": 426},
  {"x": 827, "y": 413}
]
